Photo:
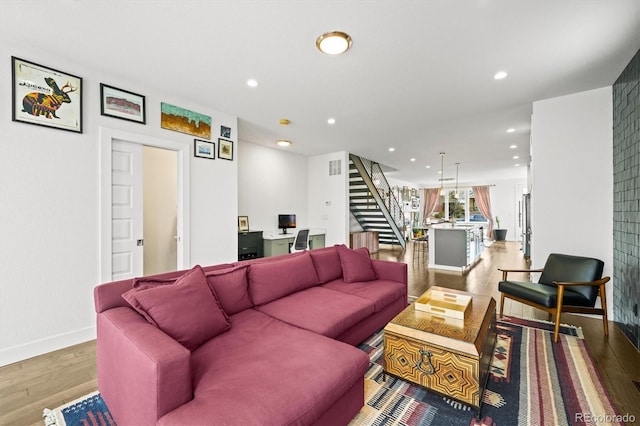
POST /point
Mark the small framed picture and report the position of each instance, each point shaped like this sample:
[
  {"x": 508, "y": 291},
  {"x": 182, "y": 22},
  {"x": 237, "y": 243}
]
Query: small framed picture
[
  {"x": 225, "y": 149},
  {"x": 204, "y": 149},
  {"x": 122, "y": 104},
  {"x": 243, "y": 223},
  {"x": 225, "y": 132},
  {"x": 45, "y": 96}
]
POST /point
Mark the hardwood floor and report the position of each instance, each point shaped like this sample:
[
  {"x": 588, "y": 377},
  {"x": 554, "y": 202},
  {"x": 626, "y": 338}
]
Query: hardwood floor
[{"x": 52, "y": 379}]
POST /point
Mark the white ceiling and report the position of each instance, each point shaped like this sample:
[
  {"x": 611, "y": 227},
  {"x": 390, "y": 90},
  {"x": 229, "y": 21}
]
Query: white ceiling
[{"x": 419, "y": 76}]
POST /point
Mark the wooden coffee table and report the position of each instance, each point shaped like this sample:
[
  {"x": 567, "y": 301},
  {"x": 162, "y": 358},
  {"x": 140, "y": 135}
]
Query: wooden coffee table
[{"x": 446, "y": 355}]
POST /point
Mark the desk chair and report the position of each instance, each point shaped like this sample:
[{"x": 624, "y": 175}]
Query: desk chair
[
  {"x": 301, "y": 242},
  {"x": 567, "y": 284}
]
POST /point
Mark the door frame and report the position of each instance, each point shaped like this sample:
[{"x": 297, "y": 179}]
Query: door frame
[{"x": 107, "y": 136}]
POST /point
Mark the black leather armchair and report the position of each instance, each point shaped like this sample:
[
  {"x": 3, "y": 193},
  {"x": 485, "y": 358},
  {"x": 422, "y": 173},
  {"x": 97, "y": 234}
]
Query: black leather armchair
[{"x": 567, "y": 284}]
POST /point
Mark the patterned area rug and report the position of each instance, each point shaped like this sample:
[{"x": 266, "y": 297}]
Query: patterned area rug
[
  {"x": 532, "y": 382},
  {"x": 90, "y": 410}
]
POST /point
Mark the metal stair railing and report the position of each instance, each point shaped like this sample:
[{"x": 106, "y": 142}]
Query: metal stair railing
[{"x": 392, "y": 210}]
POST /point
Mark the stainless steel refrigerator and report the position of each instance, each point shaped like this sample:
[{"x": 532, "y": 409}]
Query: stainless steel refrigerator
[{"x": 525, "y": 224}]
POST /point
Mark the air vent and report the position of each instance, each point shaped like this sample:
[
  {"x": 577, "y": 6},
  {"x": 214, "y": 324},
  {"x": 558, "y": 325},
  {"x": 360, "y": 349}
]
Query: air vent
[{"x": 335, "y": 167}]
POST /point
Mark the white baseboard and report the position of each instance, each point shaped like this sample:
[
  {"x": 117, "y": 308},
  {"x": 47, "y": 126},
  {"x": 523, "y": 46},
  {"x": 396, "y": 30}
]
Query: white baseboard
[{"x": 43, "y": 346}]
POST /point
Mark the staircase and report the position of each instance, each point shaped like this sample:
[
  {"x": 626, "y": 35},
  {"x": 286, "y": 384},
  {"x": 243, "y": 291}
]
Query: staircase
[{"x": 373, "y": 205}]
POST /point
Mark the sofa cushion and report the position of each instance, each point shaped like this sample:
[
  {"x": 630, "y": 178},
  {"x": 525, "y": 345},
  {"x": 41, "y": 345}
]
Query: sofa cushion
[
  {"x": 321, "y": 310},
  {"x": 327, "y": 263},
  {"x": 381, "y": 292},
  {"x": 272, "y": 280},
  {"x": 186, "y": 310},
  {"x": 231, "y": 287},
  {"x": 264, "y": 371},
  {"x": 356, "y": 264}
]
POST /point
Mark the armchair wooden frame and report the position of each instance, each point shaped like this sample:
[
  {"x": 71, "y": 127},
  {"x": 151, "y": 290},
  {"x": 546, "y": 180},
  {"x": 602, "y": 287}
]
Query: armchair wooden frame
[{"x": 560, "y": 307}]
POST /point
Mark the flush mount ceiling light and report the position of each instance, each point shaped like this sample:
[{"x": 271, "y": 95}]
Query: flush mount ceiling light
[
  {"x": 333, "y": 43},
  {"x": 252, "y": 83},
  {"x": 283, "y": 142},
  {"x": 500, "y": 75}
]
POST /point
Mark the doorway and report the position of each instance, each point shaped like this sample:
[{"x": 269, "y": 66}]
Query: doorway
[
  {"x": 121, "y": 244},
  {"x": 159, "y": 200}
]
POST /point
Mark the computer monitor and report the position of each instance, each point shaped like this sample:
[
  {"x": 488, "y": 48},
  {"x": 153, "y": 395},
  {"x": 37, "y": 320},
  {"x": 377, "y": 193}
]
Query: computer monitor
[{"x": 286, "y": 221}]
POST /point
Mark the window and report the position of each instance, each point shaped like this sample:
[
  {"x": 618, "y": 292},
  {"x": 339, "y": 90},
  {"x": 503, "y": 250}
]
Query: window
[{"x": 463, "y": 207}]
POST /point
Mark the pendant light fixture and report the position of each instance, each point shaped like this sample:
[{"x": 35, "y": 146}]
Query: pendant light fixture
[
  {"x": 456, "y": 194},
  {"x": 441, "y": 173}
]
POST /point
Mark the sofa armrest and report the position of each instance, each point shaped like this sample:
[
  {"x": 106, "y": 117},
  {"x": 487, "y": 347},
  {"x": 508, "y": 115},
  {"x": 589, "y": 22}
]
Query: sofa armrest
[
  {"x": 387, "y": 270},
  {"x": 142, "y": 372}
]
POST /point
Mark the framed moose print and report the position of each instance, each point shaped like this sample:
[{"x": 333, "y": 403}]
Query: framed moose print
[{"x": 45, "y": 96}]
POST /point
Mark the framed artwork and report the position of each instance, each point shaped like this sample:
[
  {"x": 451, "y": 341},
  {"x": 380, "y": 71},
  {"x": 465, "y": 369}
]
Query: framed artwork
[
  {"x": 204, "y": 149},
  {"x": 45, "y": 96},
  {"x": 225, "y": 149},
  {"x": 184, "y": 121},
  {"x": 243, "y": 223},
  {"x": 225, "y": 132},
  {"x": 122, "y": 104}
]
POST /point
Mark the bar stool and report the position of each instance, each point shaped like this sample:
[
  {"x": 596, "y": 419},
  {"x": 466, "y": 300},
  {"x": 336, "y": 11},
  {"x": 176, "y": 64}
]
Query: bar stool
[{"x": 419, "y": 247}]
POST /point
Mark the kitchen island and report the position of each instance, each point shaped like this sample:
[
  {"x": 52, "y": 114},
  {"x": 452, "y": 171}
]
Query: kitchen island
[{"x": 454, "y": 246}]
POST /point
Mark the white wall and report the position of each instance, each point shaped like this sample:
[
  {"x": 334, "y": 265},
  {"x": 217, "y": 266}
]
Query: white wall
[
  {"x": 572, "y": 178},
  {"x": 329, "y": 197},
  {"x": 271, "y": 182},
  {"x": 50, "y": 208}
]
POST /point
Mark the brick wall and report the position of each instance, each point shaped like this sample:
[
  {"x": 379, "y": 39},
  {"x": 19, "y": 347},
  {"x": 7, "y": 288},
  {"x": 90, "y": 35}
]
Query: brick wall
[{"x": 626, "y": 200}]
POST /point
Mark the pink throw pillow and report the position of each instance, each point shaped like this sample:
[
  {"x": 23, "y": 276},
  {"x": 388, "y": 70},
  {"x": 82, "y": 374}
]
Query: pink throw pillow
[
  {"x": 231, "y": 287},
  {"x": 186, "y": 310},
  {"x": 356, "y": 264}
]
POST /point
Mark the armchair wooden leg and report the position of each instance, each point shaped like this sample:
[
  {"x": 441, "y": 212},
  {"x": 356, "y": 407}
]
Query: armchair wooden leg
[
  {"x": 501, "y": 304},
  {"x": 603, "y": 299},
  {"x": 556, "y": 329}
]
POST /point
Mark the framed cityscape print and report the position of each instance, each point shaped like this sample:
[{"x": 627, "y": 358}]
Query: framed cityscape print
[
  {"x": 185, "y": 121},
  {"x": 122, "y": 104},
  {"x": 46, "y": 97},
  {"x": 225, "y": 149},
  {"x": 204, "y": 149}
]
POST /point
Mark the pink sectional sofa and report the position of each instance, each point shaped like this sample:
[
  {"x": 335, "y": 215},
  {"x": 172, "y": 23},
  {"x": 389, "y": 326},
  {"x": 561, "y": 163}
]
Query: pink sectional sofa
[{"x": 261, "y": 342}]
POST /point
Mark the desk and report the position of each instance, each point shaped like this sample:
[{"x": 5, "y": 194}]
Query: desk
[{"x": 276, "y": 243}]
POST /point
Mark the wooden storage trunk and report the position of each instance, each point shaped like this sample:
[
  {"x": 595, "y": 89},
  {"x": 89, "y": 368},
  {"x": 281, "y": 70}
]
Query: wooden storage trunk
[{"x": 448, "y": 357}]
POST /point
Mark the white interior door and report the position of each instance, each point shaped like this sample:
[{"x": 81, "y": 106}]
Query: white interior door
[{"x": 127, "y": 250}]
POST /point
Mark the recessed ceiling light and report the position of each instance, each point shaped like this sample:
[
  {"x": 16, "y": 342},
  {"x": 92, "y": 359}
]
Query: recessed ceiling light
[
  {"x": 391, "y": 149},
  {"x": 428, "y": 167},
  {"x": 500, "y": 75},
  {"x": 331, "y": 121},
  {"x": 252, "y": 83},
  {"x": 413, "y": 159},
  {"x": 517, "y": 165},
  {"x": 515, "y": 157},
  {"x": 283, "y": 142},
  {"x": 511, "y": 130},
  {"x": 333, "y": 43},
  {"x": 513, "y": 146}
]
